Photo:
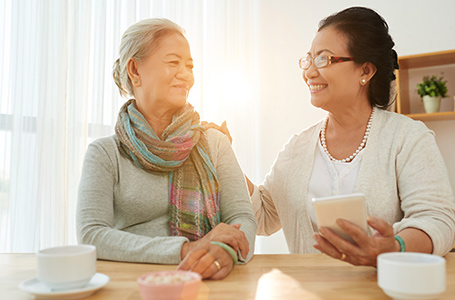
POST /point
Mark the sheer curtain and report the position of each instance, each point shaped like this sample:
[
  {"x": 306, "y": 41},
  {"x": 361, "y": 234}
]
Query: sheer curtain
[{"x": 57, "y": 95}]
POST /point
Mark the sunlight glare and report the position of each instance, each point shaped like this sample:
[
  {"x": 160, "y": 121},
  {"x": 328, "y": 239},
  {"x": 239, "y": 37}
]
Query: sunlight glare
[
  {"x": 231, "y": 87},
  {"x": 236, "y": 87},
  {"x": 278, "y": 285}
]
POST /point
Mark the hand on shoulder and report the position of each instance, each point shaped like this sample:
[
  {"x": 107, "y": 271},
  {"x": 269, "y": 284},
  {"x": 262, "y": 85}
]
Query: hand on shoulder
[{"x": 223, "y": 128}]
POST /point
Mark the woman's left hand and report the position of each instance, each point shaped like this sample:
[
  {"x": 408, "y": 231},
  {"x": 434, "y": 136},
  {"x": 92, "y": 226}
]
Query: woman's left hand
[
  {"x": 366, "y": 249},
  {"x": 211, "y": 261}
]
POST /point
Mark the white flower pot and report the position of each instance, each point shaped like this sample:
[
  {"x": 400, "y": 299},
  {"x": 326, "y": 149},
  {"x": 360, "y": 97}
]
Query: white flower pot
[{"x": 431, "y": 104}]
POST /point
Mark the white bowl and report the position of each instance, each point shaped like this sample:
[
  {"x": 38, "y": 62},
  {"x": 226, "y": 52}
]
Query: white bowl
[{"x": 409, "y": 275}]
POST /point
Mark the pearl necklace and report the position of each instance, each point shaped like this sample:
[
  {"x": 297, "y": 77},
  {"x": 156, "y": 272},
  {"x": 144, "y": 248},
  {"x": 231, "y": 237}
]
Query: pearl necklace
[{"x": 362, "y": 144}]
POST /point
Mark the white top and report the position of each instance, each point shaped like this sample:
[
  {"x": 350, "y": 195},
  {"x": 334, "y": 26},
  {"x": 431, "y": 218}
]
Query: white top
[
  {"x": 339, "y": 176},
  {"x": 402, "y": 176}
]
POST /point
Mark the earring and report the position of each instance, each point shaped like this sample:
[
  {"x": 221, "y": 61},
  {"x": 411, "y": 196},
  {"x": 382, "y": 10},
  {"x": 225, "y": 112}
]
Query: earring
[
  {"x": 135, "y": 80},
  {"x": 363, "y": 81}
]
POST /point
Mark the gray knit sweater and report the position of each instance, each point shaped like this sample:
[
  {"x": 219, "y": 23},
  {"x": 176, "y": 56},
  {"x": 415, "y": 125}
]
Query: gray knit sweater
[
  {"x": 402, "y": 174},
  {"x": 123, "y": 210}
]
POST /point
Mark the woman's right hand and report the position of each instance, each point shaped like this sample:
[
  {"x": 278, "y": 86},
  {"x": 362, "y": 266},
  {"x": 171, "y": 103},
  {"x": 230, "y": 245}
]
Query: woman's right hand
[
  {"x": 365, "y": 250},
  {"x": 230, "y": 235},
  {"x": 223, "y": 128}
]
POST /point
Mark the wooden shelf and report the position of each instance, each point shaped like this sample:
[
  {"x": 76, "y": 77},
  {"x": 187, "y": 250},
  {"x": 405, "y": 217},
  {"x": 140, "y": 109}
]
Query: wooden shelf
[
  {"x": 426, "y": 59},
  {"x": 408, "y": 66},
  {"x": 447, "y": 115}
]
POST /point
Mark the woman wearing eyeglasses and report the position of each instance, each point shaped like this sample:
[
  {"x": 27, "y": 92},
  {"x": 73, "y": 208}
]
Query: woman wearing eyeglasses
[{"x": 358, "y": 148}]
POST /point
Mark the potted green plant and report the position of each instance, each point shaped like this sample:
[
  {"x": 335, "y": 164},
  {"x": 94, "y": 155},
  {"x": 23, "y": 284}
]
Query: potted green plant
[{"x": 431, "y": 90}]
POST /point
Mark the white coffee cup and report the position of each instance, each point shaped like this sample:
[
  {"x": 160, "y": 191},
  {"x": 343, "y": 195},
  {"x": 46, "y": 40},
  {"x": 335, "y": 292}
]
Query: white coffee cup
[
  {"x": 67, "y": 267},
  {"x": 409, "y": 275}
]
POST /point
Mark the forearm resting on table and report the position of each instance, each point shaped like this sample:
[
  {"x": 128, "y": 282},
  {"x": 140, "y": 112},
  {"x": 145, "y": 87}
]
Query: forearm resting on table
[{"x": 415, "y": 240}]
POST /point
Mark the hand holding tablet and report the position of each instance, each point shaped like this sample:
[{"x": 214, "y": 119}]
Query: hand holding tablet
[{"x": 351, "y": 207}]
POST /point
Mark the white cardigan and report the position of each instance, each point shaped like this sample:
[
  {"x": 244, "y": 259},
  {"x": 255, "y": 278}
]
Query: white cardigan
[{"x": 402, "y": 175}]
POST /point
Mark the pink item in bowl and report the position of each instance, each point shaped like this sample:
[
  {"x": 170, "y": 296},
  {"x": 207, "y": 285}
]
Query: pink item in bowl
[{"x": 169, "y": 285}]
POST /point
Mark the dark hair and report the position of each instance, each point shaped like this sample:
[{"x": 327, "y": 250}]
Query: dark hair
[{"x": 369, "y": 41}]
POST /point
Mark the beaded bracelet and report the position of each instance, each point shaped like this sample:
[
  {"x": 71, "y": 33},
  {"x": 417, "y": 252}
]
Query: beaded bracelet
[
  {"x": 401, "y": 242},
  {"x": 228, "y": 249}
]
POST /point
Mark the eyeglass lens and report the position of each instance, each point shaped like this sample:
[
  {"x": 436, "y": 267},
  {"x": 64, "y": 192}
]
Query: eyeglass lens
[{"x": 319, "y": 62}]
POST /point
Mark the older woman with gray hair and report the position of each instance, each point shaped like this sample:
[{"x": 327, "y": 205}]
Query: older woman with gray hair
[{"x": 163, "y": 189}]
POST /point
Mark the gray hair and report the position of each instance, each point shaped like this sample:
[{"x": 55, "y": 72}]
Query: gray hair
[{"x": 138, "y": 41}]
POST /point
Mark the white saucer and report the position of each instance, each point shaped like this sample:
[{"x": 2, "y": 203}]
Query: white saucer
[{"x": 40, "y": 291}]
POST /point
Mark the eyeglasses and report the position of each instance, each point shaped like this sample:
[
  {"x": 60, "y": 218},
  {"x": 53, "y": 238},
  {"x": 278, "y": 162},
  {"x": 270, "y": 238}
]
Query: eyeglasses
[{"x": 321, "y": 61}]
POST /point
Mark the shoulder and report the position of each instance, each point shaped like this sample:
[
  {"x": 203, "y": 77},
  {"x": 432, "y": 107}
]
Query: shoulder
[
  {"x": 217, "y": 140},
  {"x": 303, "y": 138},
  {"x": 107, "y": 145},
  {"x": 399, "y": 131},
  {"x": 106, "y": 140},
  {"x": 299, "y": 149},
  {"x": 399, "y": 121},
  {"x": 215, "y": 135},
  {"x": 395, "y": 124}
]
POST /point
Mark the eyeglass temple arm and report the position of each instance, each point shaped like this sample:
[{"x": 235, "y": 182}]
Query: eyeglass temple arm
[{"x": 339, "y": 58}]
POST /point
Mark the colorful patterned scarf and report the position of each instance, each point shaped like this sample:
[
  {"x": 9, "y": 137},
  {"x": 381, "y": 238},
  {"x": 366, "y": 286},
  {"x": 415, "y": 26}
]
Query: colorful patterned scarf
[{"x": 183, "y": 151}]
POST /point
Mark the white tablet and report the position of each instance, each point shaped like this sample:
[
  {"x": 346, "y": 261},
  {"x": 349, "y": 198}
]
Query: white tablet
[{"x": 351, "y": 207}]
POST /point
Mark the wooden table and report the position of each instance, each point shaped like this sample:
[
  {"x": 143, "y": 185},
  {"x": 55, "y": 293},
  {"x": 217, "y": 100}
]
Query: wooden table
[{"x": 288, "y": 276}]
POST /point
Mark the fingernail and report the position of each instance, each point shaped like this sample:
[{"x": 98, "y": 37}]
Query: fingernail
[{"x": 322, "y": 230}]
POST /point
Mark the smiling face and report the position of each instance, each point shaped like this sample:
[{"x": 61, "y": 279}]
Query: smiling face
[
  {"x": 165, "y": 77},
  {"x": 335, "y": 86}
]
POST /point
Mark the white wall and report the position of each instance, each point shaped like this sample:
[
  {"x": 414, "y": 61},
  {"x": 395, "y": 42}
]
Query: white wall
[{"x": 287, "y": 28}]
